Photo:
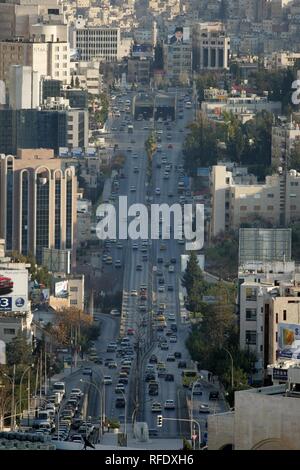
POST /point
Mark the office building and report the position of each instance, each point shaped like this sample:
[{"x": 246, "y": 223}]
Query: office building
[
  {"x": 211, "y": 47},
  {"x": 37, "y": 202},
  {"x": 102, "y": 43},
  {"x": 284, "y": 138},
  {"x": 178, "y": 61}
]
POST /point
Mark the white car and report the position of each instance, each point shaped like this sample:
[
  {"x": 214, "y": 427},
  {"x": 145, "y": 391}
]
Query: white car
[
  {"x": 171, "y": 317},
  {"x": 132, "y": 189},
  {"x": 134, "y": 293},
  {"x": 107, "y": 380},
  {"x": 173, "y": 339},
  {"x": 171, "y": 269},
  {"x": 161, "y": 289},
  {"x": 169, "y": 405}
]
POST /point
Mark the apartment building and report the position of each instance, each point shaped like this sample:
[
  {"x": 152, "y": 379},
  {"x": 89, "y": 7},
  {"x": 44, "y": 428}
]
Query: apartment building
[
  {"x": 23, "y": 88},
  {"x": 211, "y": 46},
  {"x": 178, "y": 62},
  {"x": 37, "y": 202},
  {"x": 238, "y": 199},
  {"x": 284, "y": 138},
  {"x": 88, "y": 75}
]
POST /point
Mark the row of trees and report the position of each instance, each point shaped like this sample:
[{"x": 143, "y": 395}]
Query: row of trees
[
  {"x": 216, "y": 329},
  {"x": 244, "y": 143}
]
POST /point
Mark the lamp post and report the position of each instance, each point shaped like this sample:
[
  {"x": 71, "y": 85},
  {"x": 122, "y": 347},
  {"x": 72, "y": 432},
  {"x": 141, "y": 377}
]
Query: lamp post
[
  {"x": 125, "y": 412},
  {"x": 101, "y": 404},
  {"x": 103, "y": 394},
  {"x": 12, "y": 381},
  {"x": 231, "y": 358},
  {"x": 20, "y": 395},
  {"x": 192, "y": 405}
]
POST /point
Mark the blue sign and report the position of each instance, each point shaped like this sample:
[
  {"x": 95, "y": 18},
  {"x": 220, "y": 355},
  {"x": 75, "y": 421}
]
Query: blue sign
[
  {"x": 5, "y": 304},
  {"x": 20, "y": 302},
  {"x": 280, "y": 374}
]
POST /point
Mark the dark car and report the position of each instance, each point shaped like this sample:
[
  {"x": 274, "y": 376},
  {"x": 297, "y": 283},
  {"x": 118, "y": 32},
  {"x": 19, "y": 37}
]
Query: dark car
[
  {"x": 177, "y": 354},
  {"x": 182, "y": 365},
  {"x": 170, "y": 288},
  {"x": 120, "y": 402},
  {"x": 161, "y": 281},
  {"x": 87, "y": 371},
  {"x": 173, "y": 327},
  {"x": 169, "y": 378},
  {"x": 153, "y": 359},
  {"x": 160, "y": 260},
  {"x": 149, "y": 377},
  {"x": 145, "y": 257},
  {"x": 173, "y": 260},
  {"x": 139, "y": 267}
]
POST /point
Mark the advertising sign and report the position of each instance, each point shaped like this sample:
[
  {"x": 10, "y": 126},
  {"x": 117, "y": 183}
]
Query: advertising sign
[
  {"x": 13, "y": 290},
  {"x": 280, "y": 374},
  {"x": 289, "y": 340},
  {"x": 61, "y": 289}
]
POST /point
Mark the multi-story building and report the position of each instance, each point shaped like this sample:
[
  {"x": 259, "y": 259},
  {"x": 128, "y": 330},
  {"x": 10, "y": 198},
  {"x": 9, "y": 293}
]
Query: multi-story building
[
  {"x": 48, "y": 59},
  {"x": 138, "y": 70},
  {"x": 237, "y": 200},
  {"x": 268, "y": 298},
  {"x": 178, "y": 61},
  {"x": 102, "y": 43},
  {"x": 23, "y": 88},
  {"x": 16, "y": 16},
  {"x": 55, "y": 125},
  {"x": 284, "y": 137},
  {"x": 37, "y": 202},
  {"x": 88, "y": 74},
  {"x": 211, "y": 46},
  {"x": 265, "y": 418}
]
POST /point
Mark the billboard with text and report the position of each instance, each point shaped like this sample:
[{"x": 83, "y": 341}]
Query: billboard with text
[
  {"x": 289, "y": 340},
  {"x": 13, "y": 290}
]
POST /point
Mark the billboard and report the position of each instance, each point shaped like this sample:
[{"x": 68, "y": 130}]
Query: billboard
[
  {"x": 180, "y": 35},
  {"x": 289, "y": 340},
  {"x": 13, "y": 290},
  {"x": 61, "y": 289}
]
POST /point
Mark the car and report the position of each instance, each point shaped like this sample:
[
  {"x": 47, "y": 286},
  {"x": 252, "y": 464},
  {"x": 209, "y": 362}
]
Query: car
[
  {"x": 170, "y": 288},
  {"x": 87, "y": 371},
  {"x": 153, "y": 359},
  {"x": 115, "y": 313},
  {"x": 136, "y": 169},
  {"x": 163, "y": 247},
  {"x": 169, "y": 377},
  {"x": 119, "y": 389},
  {"x": 107, "y": 380},
  {"x": 132, "y": 189},
  {"x": 171, "y": 269},
  {"x": 170, "y": 194},
  {"x": 119, "y": 246},
  {"x": 77, "y": 438},
  {"x": 153, "y": 433},
  {"x": 170, "y": 146},
  {"x": 173, "y": 339},
  {"x": 177, "y": 354},
  {"x": 173, "y": 260},
  {"x": 169, "y": 405},
  {"x": 171, "y": 358},
  {"x": 160, "y": 260},
  {"x": 150, "y": 376},
  {"x": 169, "y": 333},
  {"x": 135, "y": 246},
  {"x": 123, "y": 380},
  {"x": 130, "y": 331},
  {"x": 112, "y": 365},
  {"x": 182, "y": 365},
  {"x": 161, "y": 280},
  {"x": 134, "y": 293},
  {"x": 145, "y": 258},
  {"x": 161, "y": 288},
  {"x": 139, "y": 267},
  {"x": 204, "y": 408},
  {"x": 164, "y": 346},
  {"x": 118, "y": 263},
  {"x": 156, "y": 407},
  {"x": 157, "y": 191}
]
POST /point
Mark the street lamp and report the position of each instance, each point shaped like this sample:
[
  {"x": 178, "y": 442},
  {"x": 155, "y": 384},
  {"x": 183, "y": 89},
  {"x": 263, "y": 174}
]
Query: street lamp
[
  {"x": 125, "y": 412},
  {"x": 192, "y": 405},
  {"x": 12, "y": 381},
  {"x": 20, "y": 396},
  {"x": 101, "y": 404},
  {"x": 103, "y": 393},
  {"x": 231, "y": 358}
]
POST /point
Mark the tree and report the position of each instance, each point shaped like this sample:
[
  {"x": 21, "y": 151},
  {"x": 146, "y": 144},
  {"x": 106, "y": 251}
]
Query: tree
[
  {"x": 77, "y": 82},
  {"x": 19, "y": 350},
  {"x": 193, "y": 274},
  {"x": 72, "y": 81}
]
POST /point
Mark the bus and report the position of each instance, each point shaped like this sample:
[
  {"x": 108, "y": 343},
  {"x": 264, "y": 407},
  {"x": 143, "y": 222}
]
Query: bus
[
  {"x": 188, "y": 377},
  {"x": 130, "y": 129}
]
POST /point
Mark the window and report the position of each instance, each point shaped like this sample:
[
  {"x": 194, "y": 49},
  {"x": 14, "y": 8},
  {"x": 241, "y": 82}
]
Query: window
[
  {"x": 276, "y": 336},
  {"x": 250, "y": 337},
  {"x": 73, "y": 302},
  {"x": 293, "y": 207},
  {"x": 9, "y": 331},
  {"x": 243, "y": 208},
  {"x": 73, "y": 289},
  {"x": 250, "y": 293},
  {"x": 270, "y": 208},
  {"x": 284, "y": 315},
  {"x": 257, "y": 208},
  {"x": 276, "y": 317},
  {"x": 251, "y": 314},
  {"x": 270, "y": 195}
]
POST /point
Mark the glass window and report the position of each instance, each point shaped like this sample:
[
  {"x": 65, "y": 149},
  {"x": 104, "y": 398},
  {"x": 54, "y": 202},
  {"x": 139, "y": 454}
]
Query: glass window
[
  {"x": 251, "y": 293},
  {"x": 251, "y": 314},
  {"x": 250, "y": 337}
]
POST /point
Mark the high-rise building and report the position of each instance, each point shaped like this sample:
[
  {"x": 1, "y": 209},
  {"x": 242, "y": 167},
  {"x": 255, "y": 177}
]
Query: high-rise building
[
  {"x": 38, "y": 200},
  {"x": 211, "y": 46},
  {"x": 23, "y": 88}
]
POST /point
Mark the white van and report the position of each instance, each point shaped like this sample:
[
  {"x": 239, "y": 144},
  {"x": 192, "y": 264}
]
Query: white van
[{"x": 59, "y": 387}]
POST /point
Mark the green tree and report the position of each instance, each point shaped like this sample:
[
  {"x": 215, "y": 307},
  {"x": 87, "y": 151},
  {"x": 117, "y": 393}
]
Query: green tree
[
  {"x": 193, "y": 274},
  {"x": 18, "y": 350}
]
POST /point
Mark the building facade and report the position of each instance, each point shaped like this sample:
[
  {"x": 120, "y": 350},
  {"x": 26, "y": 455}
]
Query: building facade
[
  {"x": 211, "y": 47},
  {"x": 102, "y": 43},
  {"x": 38, "y": 202}
]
